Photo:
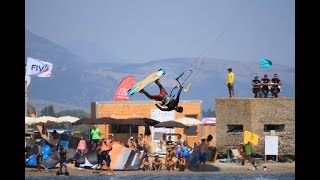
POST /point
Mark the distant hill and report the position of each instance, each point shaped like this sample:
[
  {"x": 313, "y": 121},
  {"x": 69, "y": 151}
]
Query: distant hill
[{"x": 75, "y": 82}]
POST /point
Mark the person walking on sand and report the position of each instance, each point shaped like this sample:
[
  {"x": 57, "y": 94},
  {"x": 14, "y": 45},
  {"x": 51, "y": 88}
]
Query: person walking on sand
[
  {"x": 63, "y": 161},
  {"x": 39, "y": 158},
  {"x": 230, "y": 82}
]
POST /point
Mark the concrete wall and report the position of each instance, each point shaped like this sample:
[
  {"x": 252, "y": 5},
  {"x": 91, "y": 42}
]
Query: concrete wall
[
  {"x": 253, "y": 114},
  {"x": 130, "y": 109}
]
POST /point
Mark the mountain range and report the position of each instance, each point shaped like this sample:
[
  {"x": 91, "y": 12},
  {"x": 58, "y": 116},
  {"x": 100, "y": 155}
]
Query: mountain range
[{"x": 75, "y": 82}]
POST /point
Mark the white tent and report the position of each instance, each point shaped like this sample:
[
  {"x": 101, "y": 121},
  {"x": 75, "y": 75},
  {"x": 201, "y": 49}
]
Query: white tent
[
  {"x": 50, "y": 119},
  {"x": 69, "y": 119},
  {"x": 189, "y": 121}
]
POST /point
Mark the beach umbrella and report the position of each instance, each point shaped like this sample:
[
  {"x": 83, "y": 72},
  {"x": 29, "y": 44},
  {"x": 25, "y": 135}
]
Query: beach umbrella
[
  {"x": 170, "y": 124},
  {"x": 189, "y": 121},
  {"x": 70, "y": 119},
  {"x": 138, "y": 121},
  {"x": 85, "y": 121},
  {"x": 47, "y": 119},
  {"x": 30, "y": 120},
  {"x": 211, "y": 120}
]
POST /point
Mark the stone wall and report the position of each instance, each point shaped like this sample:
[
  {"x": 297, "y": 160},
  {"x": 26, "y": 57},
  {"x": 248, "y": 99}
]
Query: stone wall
[{"x": 254, "y": 114}]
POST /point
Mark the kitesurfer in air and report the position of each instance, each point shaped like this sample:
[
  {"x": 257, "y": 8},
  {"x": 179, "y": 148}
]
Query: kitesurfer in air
[{"x": 163, "y": 99}]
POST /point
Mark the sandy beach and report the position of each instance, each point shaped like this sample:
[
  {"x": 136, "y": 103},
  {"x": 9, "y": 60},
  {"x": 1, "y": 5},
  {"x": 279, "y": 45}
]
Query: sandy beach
[{"x": 209, "y": 168}]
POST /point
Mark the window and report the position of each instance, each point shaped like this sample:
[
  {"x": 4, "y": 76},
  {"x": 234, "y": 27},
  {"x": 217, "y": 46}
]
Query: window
[
  {"x": 234, "y": 128},
  {"x": 190, "y": 130},
  {"x": 114, "y": 128},
  {"x": 275, "y": 127}
]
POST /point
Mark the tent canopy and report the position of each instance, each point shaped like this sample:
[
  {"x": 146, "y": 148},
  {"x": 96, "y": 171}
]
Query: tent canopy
[
  {"x": 189, "y": 121},
  {"x": 170, "y": 124}
]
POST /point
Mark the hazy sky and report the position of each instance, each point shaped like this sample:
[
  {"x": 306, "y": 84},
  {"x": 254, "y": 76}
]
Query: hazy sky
[{"x": 144, "y": 30}]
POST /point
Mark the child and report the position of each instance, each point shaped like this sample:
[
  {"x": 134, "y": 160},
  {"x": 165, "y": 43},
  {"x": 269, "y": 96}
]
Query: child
[
  {"x": 170, "y": 163},
  {"x": 99, "y": 157},
  {"x": 186, "y": 152},
  {"x": 182, "y": 163},
  {"x": 63, "y": 161},
  {"x": 39, "y": 158},
  {"x": 146, "y": 163},
  {"x": 82, "y": 146},
  {"x": 156, "y": 163}
]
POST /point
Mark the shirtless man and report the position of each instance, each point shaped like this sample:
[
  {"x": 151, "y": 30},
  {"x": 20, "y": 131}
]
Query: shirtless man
[{"x": 203, "y": 149}]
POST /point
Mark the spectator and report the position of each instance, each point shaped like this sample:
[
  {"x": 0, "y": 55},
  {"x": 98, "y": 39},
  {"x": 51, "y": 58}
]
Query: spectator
[
  {"x": 265, "y": 82},
  {"x": 146, "y": 163},
  {"x": 163, "y": 140},
  {"x": 256, "y": 86},
  {"x": 55, "y": 135},
  {"x": 230, "y": 82},
  {"x": 180, "y": 139},
  {"x": 186, "y": 152},
  {"x": 170, "y": 163},
  {"x": 132, "y": 144},
  {"x": 39, "y": 158},
  {"x": 182, "y": 163},
  {"x": 99, "y": 157},
  {"x": 178, "y": 149},
  {"x": 156, "y": 163},
  {"x": 203, "y": 149},
  {"x": 95, "y": 135},
  {"x": 82, "y": 146},
  {"x": 141, "y": 142},
  {"x": 63, "y": 161},
  {"x": 169, "y": 148},
  {"x": 276, "y": 83}
]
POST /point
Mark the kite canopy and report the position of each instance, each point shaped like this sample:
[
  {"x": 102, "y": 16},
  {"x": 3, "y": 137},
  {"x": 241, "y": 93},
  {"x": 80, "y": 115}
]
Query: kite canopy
[
  {"x": 121, "y": 93},
  {"x": 265, "y": 63}
]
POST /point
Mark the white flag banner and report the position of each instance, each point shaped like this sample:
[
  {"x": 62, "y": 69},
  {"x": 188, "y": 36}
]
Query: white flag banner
[{"x": 38, "y": 68}]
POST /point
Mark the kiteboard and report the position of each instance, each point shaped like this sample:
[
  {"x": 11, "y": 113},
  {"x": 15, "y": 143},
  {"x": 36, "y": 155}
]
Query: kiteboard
[{"x": 146, "y": 81}]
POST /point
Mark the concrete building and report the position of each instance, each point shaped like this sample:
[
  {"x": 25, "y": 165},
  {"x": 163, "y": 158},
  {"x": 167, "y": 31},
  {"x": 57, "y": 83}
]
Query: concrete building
[
  {"x": 145, "y": 109},
  {"x": 262, "y": 116}
]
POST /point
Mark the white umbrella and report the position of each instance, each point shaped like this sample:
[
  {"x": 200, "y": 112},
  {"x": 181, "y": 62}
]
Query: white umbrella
[
  {"x": 30, "y": 120},
  {"x": 189, "y": 121},
  {"x": 46, "y": 119},
  {"x": 69, "y": 119}
]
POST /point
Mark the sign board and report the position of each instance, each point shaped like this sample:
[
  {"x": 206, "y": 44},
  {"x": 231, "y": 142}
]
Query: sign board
[
  {"x": 161, "y": 116},
  {"x": 271, "y": 145}
]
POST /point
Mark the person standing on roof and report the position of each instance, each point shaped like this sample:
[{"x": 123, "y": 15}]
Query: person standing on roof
[
  {"x": 230, "y": 82},
  {"x": 276, "y": 83},
  {"x": 265, "y": 82},
  {"x": 163, "y": 99},
  {"x": 256, "y": 86}
]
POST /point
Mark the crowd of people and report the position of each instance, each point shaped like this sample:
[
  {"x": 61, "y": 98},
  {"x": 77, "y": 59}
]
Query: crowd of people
[{"x": 261, "y": 88}]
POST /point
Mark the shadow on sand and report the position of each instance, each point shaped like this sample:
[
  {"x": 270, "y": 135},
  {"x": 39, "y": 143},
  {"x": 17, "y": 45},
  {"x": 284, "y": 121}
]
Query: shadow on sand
[{"x": 205, "y": 168}]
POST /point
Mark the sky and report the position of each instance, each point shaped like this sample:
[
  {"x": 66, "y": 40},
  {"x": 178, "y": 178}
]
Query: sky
[{"x": 145, "y": 30}]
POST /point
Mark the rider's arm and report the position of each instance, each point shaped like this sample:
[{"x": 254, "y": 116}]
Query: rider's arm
[
  {"x": 179, "y": 92},
  {"x": 163, "y": 109}
]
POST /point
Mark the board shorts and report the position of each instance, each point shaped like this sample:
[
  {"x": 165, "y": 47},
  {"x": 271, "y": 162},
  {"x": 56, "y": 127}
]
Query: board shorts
[
  {"x": 39, "y": 159},
  {"x": 202, "y": 157},
  {"x": 63, "y": 164}
]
